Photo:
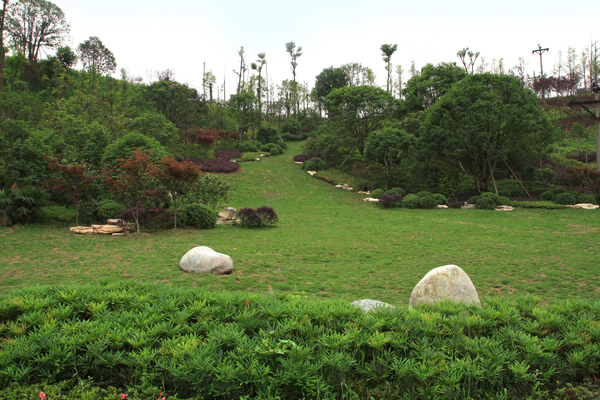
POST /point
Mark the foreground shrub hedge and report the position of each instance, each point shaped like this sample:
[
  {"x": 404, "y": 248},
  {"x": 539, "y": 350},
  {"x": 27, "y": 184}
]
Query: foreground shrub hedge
[{"x": 188, "y": 342}]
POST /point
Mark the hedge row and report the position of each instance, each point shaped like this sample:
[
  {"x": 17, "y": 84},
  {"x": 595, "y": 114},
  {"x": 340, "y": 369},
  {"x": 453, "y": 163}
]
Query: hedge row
[{"x": 193, "y": 343}]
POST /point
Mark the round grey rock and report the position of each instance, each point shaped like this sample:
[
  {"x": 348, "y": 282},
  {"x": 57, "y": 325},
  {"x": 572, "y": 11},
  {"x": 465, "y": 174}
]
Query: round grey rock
[
  {"x": 204, "y": 259},
  {"x": 369, "y": 305},
  {"x": 449, "y": 282}
]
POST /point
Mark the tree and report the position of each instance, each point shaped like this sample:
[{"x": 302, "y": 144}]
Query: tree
[
  {"x": 387, "y": 50},
  {"x": 36, "y": 24},
  {"x": 329, "y": 79},
  {"x": 130, "y": 182},
  {"x": 483, "y": 120},
  {"x": 359, "y": 110},
  {"x": 2, "y": 49},
  {"x": 242, "y": 70},
  {"x": 258, "y": 67},
  {"x": 66, "y": 56},
  {"x": 462, "y": 55},
  {"x": 96, "y": 57},
  {"x": 359, "y": 75},
  {"x": 69, "y": 179},
  {"x": 178, "y": 178},
  {"x": 424, "y": 89},
  {"x": 388, "y": 147},
  {"x": 209, "y": 80},
  {"x": 294, "y": 54}
]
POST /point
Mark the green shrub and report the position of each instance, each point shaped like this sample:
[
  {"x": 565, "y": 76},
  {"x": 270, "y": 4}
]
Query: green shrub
[
  {"x": 59, "y": 215},
  {"x": 310, "y": 165},
  {"x": 424, "y": 193},
  {"x": 210, "y": 190},
  {"x": 504, "y": 193},
  {"x": 109, "y": 209},
  {"x": 291, "y": 126},
  {"x": 410, "y": 201},
  {"x": 197, "y": 215},
  {"x": 473, "y": 200},
  {"x": 428, "y": 202},
  {"x": 286, "y": 136},
  {"x": 441, "y": 199},
  {"x": 489, "y": 195},
  {"x": 88, "y": 211},
  {"x": 375, "y": 194},
  {"x": 268, "y": 134},
  {"x": 547, "y": 195},
  {"x": 503, "y": 201},
  {"x": 322, "y": 165},
  {"x": 265, "y": 148},
  {"x": 274, "y": 151},
  {"x": 253, "y": 148},
  {"x": 586, "y": 198},
  {"x": 564, "y": 199},
  {"x": 396, "y": 190},
  {"x": 283, "y": 145},
  {"x": 485, "y": 203},
  {"x": 538, "y": 204},
  {"x": 243, "y": 148}
]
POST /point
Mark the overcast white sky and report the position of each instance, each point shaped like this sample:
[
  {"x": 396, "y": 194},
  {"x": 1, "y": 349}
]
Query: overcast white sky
[{"x": 152, "y": 35}]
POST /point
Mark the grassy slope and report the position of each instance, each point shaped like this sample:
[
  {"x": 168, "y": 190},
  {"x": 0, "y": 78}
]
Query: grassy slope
[{"x": 330, "y": 244}]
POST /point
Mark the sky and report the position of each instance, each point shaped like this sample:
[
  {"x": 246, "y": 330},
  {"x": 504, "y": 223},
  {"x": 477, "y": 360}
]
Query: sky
[{"x": 151, "y": 35}]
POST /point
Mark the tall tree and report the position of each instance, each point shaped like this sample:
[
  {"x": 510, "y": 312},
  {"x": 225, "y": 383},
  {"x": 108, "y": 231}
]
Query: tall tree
[
  {"x": 470, "y": 63},
  {"x": 294, "y": 54},
  {"x": 483, "y": 120},
  {"x": 329, "y": 79},
  {"x": 96, "y": 57},
  {"x": 36, "y": 24},
  {"x": 258, "y": 66},
  {"x": 359, "y": 75},
  {"x": 2, "y": 55},
  {"x": 387, "y": 50},
  {"x": 424, "y": 89},
  {"x": 209, "y": 81},
  {"x": 242, "y": 71},
  {"x": 359, "y": 110}
]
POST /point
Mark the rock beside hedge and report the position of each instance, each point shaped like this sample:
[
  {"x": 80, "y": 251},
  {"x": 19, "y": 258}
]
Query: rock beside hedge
[
  {"x": 448, "y": 282},
  {"x": 369, "y": 305},
  {"x": 204, "y": 259}
]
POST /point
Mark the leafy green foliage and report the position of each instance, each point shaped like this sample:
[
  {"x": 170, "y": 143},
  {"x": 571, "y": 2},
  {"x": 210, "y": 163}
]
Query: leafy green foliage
[
  {"x": 109, "y": 209},
  {"x": 396, "y": 190},
  {"x": 424, "y": 89},
  {"x": 274, "y": 151},
  {"x": 263, "y": 215},
  {"x": 121, "y": 149},
  {"x": 268, "y": 134},
  {"x": 411, "y": 201},
  {"x": 485, "y": 203},
  {"x": 21, "y": 204},
  {"x": 187, "y": 342},
  {"x": 291, "y": 126},
  {"x": 198, "y": 215},
  {"x": 375, "y": 194},
  {"x": 329, "y": 79},
  {"x": 96, "y": 57},
  {"x": 564, "y": 199}
]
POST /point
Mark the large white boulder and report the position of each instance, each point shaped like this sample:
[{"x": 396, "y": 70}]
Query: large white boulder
[
  {"x": 449, "y": 282},
  {"x": 204, "y": 259}
]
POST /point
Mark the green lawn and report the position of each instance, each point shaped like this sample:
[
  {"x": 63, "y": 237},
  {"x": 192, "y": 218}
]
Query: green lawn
[{"x": 329, "y": 244}]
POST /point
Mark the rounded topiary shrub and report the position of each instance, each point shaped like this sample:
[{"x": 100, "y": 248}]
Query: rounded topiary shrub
[
  {"x": 322, "y": 165},
  {"x": 375, "y": 194},
  {"x": 390, "y": 201},
  {"x": 244, "y": 148},
  {"x": 274, "y": 151},
  {"x": 564, "y": 198},
  {"x": 265, "y": 148},
  {"x": 473, "y": 200},
  {"x": 291, "y": 126},
  {"x": 424, "y": 193},
  {"x": 441, "y": 199},
  {"x": 503, "y": 201},
  {"x": 267, "y": 134},
  {"x": 252, "y": 148},
  {"x": 428, "y": 202},
  {"x": 109, "y": 209},
  {"x": 310, "y": 165},
  {"x": 411, "y": 201},
  {"x": 396, "y": 190},
  {"x": 490, "y": 195},
  {"x": 485, "y": 203},
  {"x": 283, "y": 145},
  {"x": 286, "y": 136},
  {"x": 547, "y": 195},
  {"x": 504, "y": 193},
  {"x": 198, "y": 216},
  {"x": 581, "y": 198}
]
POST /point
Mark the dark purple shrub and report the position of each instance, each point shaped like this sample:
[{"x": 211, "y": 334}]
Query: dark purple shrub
[
  {"x": 259, "y": 217},
  {"x": 390, "y": 201},
  {"x": 267, "y": 214},
  {"x": 219, "y": 165},
  {"x": 152, "y": 219},
  {"x": 227, "y": 154},
  {"x": 306, "y": 157},
  {"x": 456, "y": 204}
]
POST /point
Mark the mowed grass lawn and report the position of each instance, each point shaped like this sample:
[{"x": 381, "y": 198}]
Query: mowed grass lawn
[{"x": 329, "y": 244}]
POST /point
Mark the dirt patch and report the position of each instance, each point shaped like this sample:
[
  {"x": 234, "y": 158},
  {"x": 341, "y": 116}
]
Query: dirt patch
[
  {"x": 582, "y": 230},
  {"x": 270, "y": 288}
]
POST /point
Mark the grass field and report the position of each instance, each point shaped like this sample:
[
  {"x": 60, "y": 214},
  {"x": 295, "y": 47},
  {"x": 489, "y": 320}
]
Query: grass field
[{"x": 329, "y": 244}]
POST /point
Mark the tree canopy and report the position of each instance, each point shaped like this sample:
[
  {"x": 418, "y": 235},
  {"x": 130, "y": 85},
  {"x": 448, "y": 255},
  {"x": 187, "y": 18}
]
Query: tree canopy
[
  {"x": 424, "y": 89},
  {"x": 96, "y": 57},
  {"x": 36, "y": 24},
  {"x": 483, "y": 119},
  {"x": 359, "y": 110},
  {"x": 329, "y": 79}
]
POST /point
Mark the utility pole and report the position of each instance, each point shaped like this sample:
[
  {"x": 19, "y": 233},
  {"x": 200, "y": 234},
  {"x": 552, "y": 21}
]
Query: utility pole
[{"x": 540, "y": 51}]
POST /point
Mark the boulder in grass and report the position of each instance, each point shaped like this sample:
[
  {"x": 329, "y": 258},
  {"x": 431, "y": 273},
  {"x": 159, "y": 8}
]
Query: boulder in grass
[
  {"x": 204, "y": 259},
  {"x": 449, "y": 282},
  {"x": 369, "y": 305}
]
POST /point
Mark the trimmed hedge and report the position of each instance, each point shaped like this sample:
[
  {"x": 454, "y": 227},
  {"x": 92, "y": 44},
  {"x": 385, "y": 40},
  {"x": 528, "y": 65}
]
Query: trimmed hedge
[{"x": 189, "y": 342}]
